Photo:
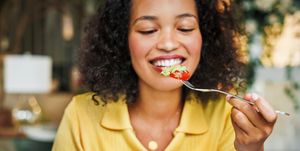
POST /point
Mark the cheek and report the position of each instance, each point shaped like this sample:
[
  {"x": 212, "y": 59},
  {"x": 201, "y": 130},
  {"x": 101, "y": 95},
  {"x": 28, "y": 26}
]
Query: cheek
[
  {"x": 138, "y": 47},
  {"x": 194, "y": 47},
  {"x": 136, "y": 54}
]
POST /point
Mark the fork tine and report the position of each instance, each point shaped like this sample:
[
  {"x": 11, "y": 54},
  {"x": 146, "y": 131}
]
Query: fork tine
[{"x": 187, "y": 83}]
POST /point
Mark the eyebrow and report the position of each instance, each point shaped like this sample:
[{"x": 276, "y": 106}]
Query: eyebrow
[
  {"x": 151, "y": 18},
  {"x": 186, "y": 15},
  {"x": 145, "y": 18}
]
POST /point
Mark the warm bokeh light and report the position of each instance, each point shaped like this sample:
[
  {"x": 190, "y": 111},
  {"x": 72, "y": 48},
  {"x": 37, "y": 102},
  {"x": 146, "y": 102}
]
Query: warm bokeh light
[
  {"x": 282, "y": 43},
  {"x": 68, "y": 29}
]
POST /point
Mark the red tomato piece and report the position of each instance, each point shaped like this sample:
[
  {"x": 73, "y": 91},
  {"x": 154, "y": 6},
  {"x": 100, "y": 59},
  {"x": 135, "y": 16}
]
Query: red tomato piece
[
  {"x": 185, "y": 75},
  {"x": 180, "y": 75}
]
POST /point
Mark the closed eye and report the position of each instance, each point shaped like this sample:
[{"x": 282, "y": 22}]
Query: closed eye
[
  {"x": 186, "y": 29},
  {"x": 147, "y": 32}
]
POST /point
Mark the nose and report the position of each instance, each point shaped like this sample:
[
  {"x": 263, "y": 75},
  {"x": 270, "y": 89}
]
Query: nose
[{"x": 168, "y": 41}]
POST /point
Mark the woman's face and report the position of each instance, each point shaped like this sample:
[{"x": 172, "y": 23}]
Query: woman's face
[{"x": 163, "y": 33}]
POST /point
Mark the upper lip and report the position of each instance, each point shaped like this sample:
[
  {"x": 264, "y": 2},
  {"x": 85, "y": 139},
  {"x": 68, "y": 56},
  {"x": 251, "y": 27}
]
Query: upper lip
[{"x": 167, "y": 57}]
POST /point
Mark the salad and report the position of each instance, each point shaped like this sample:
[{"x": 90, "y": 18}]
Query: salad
[{"x": 176, "y": 72}]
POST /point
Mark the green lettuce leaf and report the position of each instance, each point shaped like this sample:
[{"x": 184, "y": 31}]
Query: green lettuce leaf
[{"x": 168, "y": 70}]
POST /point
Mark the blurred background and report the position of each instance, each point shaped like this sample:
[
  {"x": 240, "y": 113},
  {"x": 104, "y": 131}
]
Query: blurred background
[{"x": 38, "y": 72}]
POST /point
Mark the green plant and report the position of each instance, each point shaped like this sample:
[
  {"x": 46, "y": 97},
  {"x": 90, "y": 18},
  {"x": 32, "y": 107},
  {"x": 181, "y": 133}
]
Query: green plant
[{"x": 266, "y": 18}]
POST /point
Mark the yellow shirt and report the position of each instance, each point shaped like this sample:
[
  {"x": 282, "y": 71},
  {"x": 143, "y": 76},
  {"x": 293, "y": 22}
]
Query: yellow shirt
[{"x": 87, "y": 127}]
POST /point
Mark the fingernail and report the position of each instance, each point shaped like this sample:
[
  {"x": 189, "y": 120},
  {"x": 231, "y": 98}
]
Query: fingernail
[
  {"x": 228, "y": 97},
  {"x": 254, "y": 97}
]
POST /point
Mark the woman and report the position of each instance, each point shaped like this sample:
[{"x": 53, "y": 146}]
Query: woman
[{"x": 133, "y": 107}]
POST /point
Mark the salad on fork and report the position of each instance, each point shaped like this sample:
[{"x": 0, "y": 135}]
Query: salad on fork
[{"x": 181, "y": 73}]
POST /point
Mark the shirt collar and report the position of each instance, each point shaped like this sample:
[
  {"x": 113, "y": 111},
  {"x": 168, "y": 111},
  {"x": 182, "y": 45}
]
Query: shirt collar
[
  {"x": 192, "y": 120},
  {"x": 116, "y": 117}
]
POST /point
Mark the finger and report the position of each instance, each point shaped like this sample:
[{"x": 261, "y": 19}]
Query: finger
[
  {"x": 264, "y": 107},
  {"x": 238, "y": 131},
  {"x": 248, "y": 98},
  {"x": 241, "y": 104},
  {"x": 242, "y": 121},
  {"x": 255, "y": 118}
]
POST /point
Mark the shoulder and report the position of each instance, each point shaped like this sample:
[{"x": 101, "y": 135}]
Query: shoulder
[
  {"x": 84, "y": 102},
  {"x": 85, "y": 99}
]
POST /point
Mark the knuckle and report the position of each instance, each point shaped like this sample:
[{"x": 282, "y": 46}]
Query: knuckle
[
  {"x": 234, "y": 113},
  {"x": 259, "y": 137},
  {"x": 267, "y": 131},
  {"x": 246, "y": 141},
  {"x": 254, "y": 139},
  {"x": 272, "y": 117},
  {"x": 245, "y": 107},
  {"x": 238, "y": 116},
  {"x": 241, "y": 141}
]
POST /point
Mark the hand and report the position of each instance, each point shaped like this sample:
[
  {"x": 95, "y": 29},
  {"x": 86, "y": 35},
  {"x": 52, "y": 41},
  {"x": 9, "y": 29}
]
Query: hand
[{"x": 252, "y": 124}]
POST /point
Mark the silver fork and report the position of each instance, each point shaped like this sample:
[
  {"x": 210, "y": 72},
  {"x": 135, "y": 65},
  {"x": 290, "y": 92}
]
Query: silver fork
[{"x": 191, "y": 86}]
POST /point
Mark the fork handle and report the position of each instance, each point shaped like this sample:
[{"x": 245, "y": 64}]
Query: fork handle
[
  {"x": 186, "y": 83},
  {"x": 232, "y": 95},
  {"x": 251, "y": 103}
]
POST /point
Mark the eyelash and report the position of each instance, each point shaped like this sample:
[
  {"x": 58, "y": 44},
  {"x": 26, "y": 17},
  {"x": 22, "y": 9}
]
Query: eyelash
[
  {"x": 185, "y": 30},
  {"x": 147, "y": 32}
]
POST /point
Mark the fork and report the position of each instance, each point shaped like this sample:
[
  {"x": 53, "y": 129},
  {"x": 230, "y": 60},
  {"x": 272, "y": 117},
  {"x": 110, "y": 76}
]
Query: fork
[{"x": 191, "y": 86}]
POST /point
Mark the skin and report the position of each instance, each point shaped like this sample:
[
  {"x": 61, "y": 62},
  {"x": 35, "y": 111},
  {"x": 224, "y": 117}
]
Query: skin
[
  {"x": 159, "y": 104},
  {"x": 171, "y": 27},
  {"x": 166, "y": 20},
  {"x": 252, "y": 124}
]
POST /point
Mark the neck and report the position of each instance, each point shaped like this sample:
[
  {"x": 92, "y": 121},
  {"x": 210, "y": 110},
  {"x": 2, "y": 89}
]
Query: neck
[{"x": 157, "y": 105}]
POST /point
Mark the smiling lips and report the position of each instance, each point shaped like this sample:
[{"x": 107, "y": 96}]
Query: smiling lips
[{"x": 166, "y": 61}]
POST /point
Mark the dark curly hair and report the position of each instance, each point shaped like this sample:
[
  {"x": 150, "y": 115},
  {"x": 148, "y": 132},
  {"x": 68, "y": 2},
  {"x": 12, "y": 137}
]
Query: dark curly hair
[{"x": 104, "y": 60}]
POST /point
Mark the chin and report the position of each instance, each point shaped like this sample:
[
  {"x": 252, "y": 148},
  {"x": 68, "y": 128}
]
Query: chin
[{"x": 166, "y": 84}]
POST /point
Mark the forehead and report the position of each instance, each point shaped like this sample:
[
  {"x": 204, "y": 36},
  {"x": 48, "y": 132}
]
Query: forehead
[{"x": 162, "y": 7}]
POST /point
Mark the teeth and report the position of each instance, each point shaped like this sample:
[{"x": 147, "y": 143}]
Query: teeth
[{"x": 167, "y": 62}]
